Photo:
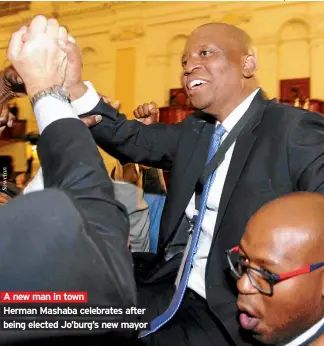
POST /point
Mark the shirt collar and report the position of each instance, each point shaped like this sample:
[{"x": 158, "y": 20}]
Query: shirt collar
[
  {"x": 306, "y": 335},
  {"x": 238, "y": 112}
]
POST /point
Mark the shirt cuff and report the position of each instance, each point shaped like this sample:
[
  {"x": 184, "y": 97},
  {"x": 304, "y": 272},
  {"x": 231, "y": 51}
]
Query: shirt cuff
[
  {"x": 49, "y": 109},
  {"x": 87, "y": 102}
]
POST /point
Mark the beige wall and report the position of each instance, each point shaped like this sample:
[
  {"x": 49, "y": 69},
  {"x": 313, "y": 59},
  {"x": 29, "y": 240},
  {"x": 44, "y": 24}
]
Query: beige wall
[
  {"x": 132, "y": 50},
  {"x": 19, "y": 153}
]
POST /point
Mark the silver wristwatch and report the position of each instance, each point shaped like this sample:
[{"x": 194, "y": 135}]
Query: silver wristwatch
[{"x": 56, "y": 91}]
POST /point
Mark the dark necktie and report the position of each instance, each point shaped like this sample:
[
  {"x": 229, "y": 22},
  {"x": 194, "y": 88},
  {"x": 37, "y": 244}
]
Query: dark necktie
[{"x": 159, "y": 321}]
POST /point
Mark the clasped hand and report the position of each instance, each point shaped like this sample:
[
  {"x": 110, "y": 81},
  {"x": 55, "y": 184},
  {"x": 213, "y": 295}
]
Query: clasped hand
[{"x": 44, "y": 55}]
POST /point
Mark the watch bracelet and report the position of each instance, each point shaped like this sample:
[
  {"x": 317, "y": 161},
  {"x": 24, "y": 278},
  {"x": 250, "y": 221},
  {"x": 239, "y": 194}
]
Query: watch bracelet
[{"x": 55, "y": 91}]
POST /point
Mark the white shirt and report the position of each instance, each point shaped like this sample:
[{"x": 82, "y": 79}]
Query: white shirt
[
  {"x": 197, "y": 275},
  {"x": 48, "y": 110},
  {"x": 307, "y": 335}
]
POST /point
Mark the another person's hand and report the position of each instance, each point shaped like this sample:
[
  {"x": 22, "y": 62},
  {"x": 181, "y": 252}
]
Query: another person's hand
[
  {"x": 148, "y": 113},
  {"x": 73, "y": 82},
  {"x": 11, "y": 86},
  {"x": 6, "y": 118},
  {"x": 92, "y": 120},
  {"x": 36, "y": 56},
  {"x": 108, "y": 101}
]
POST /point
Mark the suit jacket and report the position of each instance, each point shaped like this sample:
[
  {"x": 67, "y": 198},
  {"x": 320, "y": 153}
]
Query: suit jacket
[
  {"x": 70, "y": 237},
  {"x": 71, "y": 162},
  {"x": 280, "y": 150}
]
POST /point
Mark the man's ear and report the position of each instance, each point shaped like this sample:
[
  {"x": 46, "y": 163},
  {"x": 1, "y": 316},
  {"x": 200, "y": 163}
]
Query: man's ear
[{"x": 250, "y": 65}]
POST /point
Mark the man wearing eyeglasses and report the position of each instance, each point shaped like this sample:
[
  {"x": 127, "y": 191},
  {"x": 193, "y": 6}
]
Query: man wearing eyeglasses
[{"x": 279, "y": 266}]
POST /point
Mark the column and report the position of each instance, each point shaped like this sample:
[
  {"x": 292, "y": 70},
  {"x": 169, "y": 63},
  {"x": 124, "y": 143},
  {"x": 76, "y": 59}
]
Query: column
[
  {"x": 156, "y": 77},
  {"x": 316, "y": 70},
  {"x": 125, "y": 79},
  {"x": 267, "y": 73}
]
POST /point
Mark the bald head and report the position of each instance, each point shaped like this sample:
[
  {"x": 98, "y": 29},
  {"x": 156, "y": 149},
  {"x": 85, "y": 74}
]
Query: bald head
[
  {"x": 285, "y": 237},
  {"x": 291, "y": 227},
  {"x": 220, "y": 55},
  {"x": 234, "y": 37}
]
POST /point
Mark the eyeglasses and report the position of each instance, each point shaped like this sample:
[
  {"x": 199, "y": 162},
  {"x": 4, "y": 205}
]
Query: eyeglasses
[{"x": 262, "y": 279}]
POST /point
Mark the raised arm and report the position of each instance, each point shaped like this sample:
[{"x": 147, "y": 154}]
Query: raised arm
[
  {"x": 88, "y": 249},
  {"x": 131, "y": 141},
  {"x": 126, "y": 140}
]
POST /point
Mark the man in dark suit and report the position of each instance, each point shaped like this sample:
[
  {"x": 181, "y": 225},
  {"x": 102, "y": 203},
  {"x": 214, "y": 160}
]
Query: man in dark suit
[
  {"x": 280, "y": 150},
  {"x": 279, "y": 265},
  {"x": 73, "y": 235}
]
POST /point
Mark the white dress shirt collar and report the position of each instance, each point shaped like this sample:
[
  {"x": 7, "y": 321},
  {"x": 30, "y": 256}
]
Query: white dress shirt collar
[
  {"x": 306, "y": 335},
  {"x": 238, "y": 112}
]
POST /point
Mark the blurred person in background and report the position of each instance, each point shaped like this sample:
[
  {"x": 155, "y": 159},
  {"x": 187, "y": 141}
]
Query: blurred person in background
[
  {"x": 153, "y": 180},
  {"x": 128, "y": 187}
]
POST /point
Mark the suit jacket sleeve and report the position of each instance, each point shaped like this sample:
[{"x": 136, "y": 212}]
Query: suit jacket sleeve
[
  {"x": 131, "y": 141},
  {"x": 70, "y": 161},
  {"x": 305, "y": 149}
]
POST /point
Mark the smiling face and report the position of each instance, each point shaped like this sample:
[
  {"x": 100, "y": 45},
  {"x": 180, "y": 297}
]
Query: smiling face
[
  {"x": 218, "y": 68},
  {"x": 284, "y": 236}
]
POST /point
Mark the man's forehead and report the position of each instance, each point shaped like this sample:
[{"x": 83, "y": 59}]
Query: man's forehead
[
  {"x": 224, "y": 37},
  {"x": 284, "y": 244},
  {"x": 290, "y": 226},
  {"x": 260, "y": 252},
  {"x": 205, "y": 35}
]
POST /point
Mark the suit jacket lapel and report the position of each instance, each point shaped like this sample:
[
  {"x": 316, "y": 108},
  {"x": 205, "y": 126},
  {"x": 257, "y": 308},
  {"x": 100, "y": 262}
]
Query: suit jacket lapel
[
  {"x": 192, "y": 162},
  {"x": 241, "y": 152}
]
